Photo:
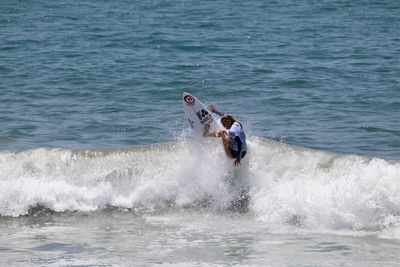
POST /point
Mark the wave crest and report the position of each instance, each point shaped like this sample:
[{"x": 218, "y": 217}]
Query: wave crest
[{"x": 278, "y": 184}]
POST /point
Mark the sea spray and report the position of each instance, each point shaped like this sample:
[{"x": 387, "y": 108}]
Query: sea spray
[
  {"x": 319, "y": 190},
  {"x": 282, "y": 185},
  {"x": 144, "y": 177}
]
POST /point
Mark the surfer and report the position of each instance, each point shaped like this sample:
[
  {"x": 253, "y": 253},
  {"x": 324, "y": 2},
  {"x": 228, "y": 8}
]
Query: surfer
[{"x": 234, "y": 139}]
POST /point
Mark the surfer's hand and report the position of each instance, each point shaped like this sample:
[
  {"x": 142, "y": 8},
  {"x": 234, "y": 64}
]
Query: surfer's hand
[
  {"x": 213, "y": 108},
  {"x": 237, "y": 162}
]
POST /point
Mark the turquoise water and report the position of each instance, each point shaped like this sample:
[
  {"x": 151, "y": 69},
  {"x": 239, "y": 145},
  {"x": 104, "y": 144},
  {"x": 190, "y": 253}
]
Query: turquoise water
[
  {"x": 322, "y": 74},
  {"x": 97, "y": 167}
]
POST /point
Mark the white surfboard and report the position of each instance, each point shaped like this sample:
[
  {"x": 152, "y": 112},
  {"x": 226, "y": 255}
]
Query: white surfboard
[{"x": 198, "y": 115}]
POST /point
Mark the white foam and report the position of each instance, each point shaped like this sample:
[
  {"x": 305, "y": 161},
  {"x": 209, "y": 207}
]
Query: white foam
[
  {"x": 288, "y": 185},
  {"x": 320, "y": 190},
  {"x": 145, "y": 177}
]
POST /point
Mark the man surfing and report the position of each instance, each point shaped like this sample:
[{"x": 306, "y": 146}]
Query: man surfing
[{"x": 233, "y": 140}]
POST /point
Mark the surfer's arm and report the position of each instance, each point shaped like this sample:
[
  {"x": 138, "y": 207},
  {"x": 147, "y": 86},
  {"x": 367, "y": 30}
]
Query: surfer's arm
[{"x": 214, "y": 110}]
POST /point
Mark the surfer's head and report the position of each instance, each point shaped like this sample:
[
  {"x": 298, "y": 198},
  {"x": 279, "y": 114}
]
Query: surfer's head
[{"x": 227, "y": 121}]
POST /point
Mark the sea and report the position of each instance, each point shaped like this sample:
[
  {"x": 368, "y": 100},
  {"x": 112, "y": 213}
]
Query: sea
[{"x": 98, "y": 166}]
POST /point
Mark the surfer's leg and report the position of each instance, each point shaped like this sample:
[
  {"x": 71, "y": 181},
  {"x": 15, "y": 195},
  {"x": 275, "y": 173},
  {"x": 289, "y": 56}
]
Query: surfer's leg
[{"x": 225, "y": 142}]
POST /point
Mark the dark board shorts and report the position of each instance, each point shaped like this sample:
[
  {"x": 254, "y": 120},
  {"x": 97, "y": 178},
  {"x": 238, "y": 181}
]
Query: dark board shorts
[{"x": 235, "y": 154}]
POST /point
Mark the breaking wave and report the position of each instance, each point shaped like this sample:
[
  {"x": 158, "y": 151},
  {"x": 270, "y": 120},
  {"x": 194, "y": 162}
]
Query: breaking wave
[{"x": 277, "y": 184}]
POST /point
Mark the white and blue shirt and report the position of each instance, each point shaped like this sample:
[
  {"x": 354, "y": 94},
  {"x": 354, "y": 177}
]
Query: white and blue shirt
[{"x": 236, "y": 130}]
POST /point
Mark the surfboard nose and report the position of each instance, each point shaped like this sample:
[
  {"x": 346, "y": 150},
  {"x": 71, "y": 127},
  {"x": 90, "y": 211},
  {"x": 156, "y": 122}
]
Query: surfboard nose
[{"x": 189, "y": 99}]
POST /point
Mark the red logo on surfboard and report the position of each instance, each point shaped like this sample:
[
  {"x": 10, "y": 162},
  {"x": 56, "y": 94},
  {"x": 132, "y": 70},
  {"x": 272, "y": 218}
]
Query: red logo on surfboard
[{"x": 189, "y": 99}]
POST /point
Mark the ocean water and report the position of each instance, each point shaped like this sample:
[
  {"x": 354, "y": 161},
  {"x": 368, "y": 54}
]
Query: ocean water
[{"x": 98, "y": 166}]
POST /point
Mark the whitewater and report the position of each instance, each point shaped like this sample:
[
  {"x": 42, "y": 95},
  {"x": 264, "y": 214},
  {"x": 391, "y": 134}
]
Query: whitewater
[{"x": 279, "y": 185}]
